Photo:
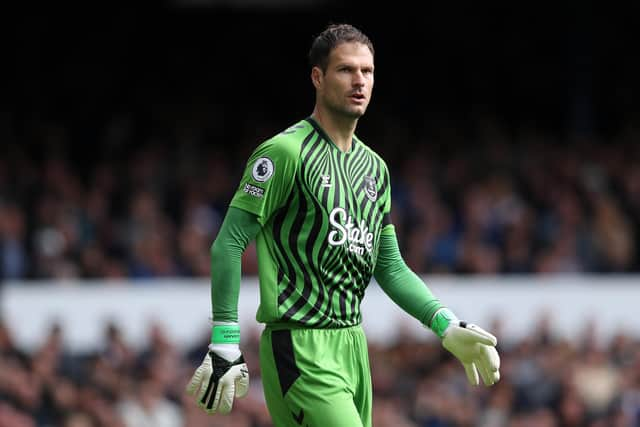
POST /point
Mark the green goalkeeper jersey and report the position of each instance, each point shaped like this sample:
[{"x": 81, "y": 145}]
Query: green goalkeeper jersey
[{"x": 322, "y": 212}]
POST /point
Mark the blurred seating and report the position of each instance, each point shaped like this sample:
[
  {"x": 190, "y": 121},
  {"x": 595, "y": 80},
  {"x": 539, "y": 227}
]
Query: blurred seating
[
  {"x": 546, "y": 381},
  {"x": 493, "y": 205}
]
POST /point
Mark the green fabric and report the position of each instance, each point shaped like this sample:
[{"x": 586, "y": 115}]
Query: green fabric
[
  {"x": 268, "y": 177},
  {"x": 441, "y": 321},
  {"x": 322, "y": 212},
  {"x": 333, "y": 382},
  {"x": 402, "y": 285},
  {"x": 225, "y": 334},
  {"x": 238, "y": 229}
]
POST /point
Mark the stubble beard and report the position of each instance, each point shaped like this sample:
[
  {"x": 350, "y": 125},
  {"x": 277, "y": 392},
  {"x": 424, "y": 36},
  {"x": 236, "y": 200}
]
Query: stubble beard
[{"x": 345, "y": 111}]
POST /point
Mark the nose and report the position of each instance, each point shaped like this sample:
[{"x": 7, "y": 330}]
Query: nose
[{"x": 358, "y": 79}]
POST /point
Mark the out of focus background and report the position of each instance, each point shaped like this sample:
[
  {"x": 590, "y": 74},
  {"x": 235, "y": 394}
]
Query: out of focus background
[{"x": 512, "y": 134}]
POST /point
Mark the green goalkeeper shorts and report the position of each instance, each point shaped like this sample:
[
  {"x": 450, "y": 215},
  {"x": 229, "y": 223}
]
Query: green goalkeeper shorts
[{"x": 316, "y": 377}]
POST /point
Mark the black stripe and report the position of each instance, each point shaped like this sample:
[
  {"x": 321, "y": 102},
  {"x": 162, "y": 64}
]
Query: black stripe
[
  {"x": 351, "y": 197},
  {"x": 299, "y": 418},
  {"x": 305, "y": 166},
  {"x": 277, "y": 238},
  {"x": 311, "y": 166},
  {"x": 334, "y": 276},
  {"x": 333, "y": 254},
  {"x": 284, "y": 357},
  {"x": 354, "y": 159},
  {"x": 359, "y": 295},
  {"x": 349, "y": 268},
  {"x": 306, "y": 141},
  {"x": 213, "y": 395},
  {"x": 359, "y": 166},
  {"x": 312, "y": 149},
  {"x": 386, "y": 219},
  {"x": 324, "y": 254},
  {"x": 337, "y": 282},
  {"x": 294, "y": 237},
  {"x": 280, "y": 277},
  {"x": 340, "y": 184},
  {"x": 314, "y": 261},
  {"x": 318, "y": 129},
  {"x": 385, "y": 181},
  {"x": 343, "y": 304},
  {"x": 333, "y": 264},
  {"x": 206, "y": 393}
]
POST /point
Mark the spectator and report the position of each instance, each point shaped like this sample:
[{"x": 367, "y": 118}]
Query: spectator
[{"x": 546, "y": 381}]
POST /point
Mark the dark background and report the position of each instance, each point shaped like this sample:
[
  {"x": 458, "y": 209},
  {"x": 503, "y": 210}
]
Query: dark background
[{"x": 570, "y": 67}]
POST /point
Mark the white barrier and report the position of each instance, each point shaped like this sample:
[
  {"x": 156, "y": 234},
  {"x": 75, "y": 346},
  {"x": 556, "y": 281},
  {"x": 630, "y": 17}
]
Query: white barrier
[{"x": 182, "y": 307}]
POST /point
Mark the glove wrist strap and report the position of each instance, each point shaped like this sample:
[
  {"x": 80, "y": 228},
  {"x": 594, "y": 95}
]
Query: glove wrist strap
[
  {"x": 225, "y": 333},
  {"x": 441, "y": 321}
]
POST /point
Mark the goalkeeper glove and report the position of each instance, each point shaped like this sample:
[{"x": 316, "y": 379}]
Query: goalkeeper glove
[
  {"x": 474, "y": 347},
  {"x": 223, "y": 373}
]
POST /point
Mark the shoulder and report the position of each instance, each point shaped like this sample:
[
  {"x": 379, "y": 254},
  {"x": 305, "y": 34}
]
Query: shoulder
[{"x": 288, "y": 143}]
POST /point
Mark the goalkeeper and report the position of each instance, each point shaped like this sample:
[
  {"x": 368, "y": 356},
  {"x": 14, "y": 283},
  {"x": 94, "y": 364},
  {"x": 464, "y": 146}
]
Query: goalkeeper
[{"x": 318, "y": 201}]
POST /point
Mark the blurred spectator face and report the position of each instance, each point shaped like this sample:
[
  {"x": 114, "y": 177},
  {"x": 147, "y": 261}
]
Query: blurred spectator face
[
  {"x": 6, "y": 342},
  {"x": 78, "y": 419},
  {"x": 10, "y": 417}
]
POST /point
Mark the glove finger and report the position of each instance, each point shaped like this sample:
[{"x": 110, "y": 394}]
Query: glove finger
[
  {"x": 225, "y": 401},
  {"x": 480, "y": 335},
  {"x": 494, "y": 363},
  {"x": 489, "y": 364},
  {"x": 472, "y": 373},
  {"x": 242, "y": 382},
  {"x": 195, "y": 381},
  {"x": 488, "y": 357},
  {"x": 487, "y": 377},
  {"x": 493, "y": 358},
  {"x": 205, "y": 388},
  {"x": 214, "y": 398}
]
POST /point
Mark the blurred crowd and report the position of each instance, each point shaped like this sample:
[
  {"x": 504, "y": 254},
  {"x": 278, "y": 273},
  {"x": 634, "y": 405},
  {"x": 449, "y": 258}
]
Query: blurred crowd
[
  {"x": 547, "y": 381},
  {"x": 488, "y": 201}
]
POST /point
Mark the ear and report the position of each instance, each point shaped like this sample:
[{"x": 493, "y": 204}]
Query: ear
[{"x": 316, "y": 77}]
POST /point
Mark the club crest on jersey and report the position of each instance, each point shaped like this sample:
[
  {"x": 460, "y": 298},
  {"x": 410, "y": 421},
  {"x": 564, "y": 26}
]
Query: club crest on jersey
[
  {"x": 370, "y": 188},
  {"x": 262, "y": 169}
]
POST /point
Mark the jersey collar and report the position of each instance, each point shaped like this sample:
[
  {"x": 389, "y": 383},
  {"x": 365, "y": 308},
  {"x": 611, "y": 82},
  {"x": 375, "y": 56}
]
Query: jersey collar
[{"x": 324, "y": 136}]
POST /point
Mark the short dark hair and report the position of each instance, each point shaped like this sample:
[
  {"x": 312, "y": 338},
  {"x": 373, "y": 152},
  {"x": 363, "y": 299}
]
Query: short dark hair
[{"x": 331, "y": 37}]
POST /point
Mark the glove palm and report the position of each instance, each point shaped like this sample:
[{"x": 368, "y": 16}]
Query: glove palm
[
  {"x": 474, "y": 347},
  {"x": 219, "y": 380}
]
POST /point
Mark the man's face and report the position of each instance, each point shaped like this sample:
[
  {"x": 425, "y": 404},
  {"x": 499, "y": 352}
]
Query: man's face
[{"x": 345, "y": 88}]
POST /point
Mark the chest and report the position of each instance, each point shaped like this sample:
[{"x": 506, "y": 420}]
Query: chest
[{"x": 345, "y": 185}]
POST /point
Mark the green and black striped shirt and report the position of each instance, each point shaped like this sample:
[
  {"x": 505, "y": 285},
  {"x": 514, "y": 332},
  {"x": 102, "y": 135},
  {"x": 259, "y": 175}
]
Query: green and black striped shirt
[{"x": 322, "y": 211}]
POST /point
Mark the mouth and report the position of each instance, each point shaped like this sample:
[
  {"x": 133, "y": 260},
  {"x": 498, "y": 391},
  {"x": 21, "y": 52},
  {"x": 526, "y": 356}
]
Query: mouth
[{"x": 357, "y": 97}]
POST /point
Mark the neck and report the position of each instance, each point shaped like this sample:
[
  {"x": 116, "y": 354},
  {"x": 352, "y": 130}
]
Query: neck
[{"x": 339, "y": 129}]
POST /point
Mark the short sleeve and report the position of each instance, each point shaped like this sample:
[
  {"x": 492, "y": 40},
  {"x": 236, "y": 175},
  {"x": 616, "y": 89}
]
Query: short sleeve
[{"x": 268, "y": 179}]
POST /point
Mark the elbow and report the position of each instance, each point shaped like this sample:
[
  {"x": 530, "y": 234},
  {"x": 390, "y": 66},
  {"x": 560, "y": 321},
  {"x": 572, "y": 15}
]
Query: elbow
[
  {"x": 216, "y": 249},
  {"x": 222, "y": 248}
]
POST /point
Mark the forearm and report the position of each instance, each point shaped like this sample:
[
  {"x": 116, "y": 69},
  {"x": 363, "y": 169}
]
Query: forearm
[
  {"x": 238, "y": 229},
  {"x": 402, "y": 285}
]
